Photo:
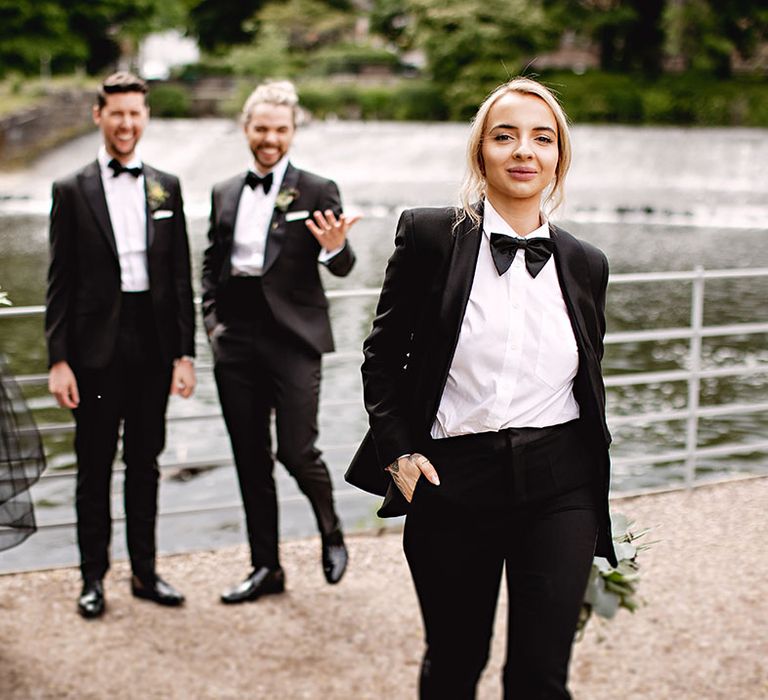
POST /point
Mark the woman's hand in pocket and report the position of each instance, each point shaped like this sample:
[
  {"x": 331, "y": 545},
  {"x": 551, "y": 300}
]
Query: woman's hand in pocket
[{"x": 407, "y": 470}]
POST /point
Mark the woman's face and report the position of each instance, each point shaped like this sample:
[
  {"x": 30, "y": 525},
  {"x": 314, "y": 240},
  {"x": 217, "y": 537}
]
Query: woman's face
[{"x": 519, "y": 147}]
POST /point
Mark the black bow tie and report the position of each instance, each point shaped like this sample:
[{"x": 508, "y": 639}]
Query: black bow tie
[
  {"x": 537, "y": 252},
  {"x": 253, "y": 181},
  {"x": 118, "y": 168}
]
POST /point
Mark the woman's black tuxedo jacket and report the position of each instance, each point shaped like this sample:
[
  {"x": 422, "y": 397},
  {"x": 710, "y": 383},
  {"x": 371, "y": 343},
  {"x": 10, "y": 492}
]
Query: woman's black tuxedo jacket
[
  {"x": 84, "y": 298},
  {"x": 409, "y": 351}
]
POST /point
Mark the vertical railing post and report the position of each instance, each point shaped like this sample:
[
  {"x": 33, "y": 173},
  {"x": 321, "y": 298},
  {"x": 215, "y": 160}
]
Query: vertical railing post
[{"x": 694, "y": 377}]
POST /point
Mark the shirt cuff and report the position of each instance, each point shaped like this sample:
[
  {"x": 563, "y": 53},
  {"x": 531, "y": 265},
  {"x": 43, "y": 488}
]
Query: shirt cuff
[{"x": 327, "y": 255}]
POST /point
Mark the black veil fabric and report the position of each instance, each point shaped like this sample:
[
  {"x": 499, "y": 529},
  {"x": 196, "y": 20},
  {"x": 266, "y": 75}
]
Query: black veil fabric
[{"x": 22, "y": 460}]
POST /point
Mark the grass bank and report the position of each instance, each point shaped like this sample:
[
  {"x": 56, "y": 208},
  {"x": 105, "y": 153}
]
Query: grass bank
[{"x": 18, "y": 93}]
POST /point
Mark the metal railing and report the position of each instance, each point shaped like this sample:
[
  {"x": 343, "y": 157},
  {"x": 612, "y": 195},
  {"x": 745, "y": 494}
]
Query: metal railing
[{"x": 692, "y": 375}]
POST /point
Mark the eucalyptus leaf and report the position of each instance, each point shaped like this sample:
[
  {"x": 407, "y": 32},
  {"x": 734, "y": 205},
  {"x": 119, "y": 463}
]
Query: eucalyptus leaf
[
  {"x": 602, "y": 564},
  {"x": 625, "y": 550},
  {"x": 619, "y": 524},
  {"x": 606, "y": 603}
]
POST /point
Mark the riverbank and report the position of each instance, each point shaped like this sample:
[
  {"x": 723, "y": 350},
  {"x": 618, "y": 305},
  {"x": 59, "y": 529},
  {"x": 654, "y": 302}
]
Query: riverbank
[{"x": 701, "y": 636}]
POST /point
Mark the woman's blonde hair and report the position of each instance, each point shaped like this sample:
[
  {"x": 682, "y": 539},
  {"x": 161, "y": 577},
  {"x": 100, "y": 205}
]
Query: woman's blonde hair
[{"x": 473, "y": 187}]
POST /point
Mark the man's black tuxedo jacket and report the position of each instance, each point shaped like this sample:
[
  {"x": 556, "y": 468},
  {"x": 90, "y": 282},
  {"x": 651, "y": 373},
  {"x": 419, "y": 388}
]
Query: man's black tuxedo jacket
[
  {"x": 418, "y": 319},
  {"x": 290, "y": 276},
  {"x": 84, "y": 298}
]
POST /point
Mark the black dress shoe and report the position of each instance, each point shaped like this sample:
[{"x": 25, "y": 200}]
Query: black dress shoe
[
  {"x": 335, "y": 557},
  {"x": 91, "y": 601},
  {"x": 156, "y": 590},
  {"x": 261, "y": 581}
]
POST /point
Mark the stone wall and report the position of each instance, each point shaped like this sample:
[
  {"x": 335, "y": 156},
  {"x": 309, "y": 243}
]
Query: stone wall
[{"x": 27, "y": 133}]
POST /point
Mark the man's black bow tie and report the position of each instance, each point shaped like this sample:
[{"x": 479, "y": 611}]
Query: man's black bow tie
[
  {"x": 253, "y": 181},
  {"x": 537, "y": 252},
  {"x": 118, "y": 168}
]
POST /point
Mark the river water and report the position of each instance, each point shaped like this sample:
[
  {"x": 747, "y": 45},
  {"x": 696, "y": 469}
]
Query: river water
[{"x": 652, "y": 198}]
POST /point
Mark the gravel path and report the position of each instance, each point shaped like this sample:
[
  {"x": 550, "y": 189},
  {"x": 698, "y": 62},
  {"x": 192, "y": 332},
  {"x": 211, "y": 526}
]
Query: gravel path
[{"x": 702, "y": 635}]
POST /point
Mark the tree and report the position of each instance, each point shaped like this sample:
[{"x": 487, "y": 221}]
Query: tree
[
  {"x": 89, "y": 33},
  {"x": 473, "y": 45},
  {"x": 35, "y": 33},
  {"x": 219, "y": 24},
  {"x": 708, "y": 34},
  {"x": 108, "y": 27},
  {"x": 629, "y": 33}
]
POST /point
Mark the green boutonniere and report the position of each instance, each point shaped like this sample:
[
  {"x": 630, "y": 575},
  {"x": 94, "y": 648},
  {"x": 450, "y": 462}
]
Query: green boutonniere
[
  {"x": 156, "y": 194},
  {"x": 285, "y": 197}
]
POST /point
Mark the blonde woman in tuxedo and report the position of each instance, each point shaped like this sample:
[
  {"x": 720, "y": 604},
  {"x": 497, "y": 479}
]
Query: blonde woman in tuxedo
[{"x": 483, "y": 386}]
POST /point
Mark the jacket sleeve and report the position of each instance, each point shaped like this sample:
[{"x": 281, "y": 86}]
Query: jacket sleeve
[
  {"x": 386, "y": 348},
  {"x": 600, "y": 295},
  {"x": 61, "y": 274},
  {"x": 212, "y": 262},
  {"x": 340, "y": 264},
  {"x": 182, "y": 280}
]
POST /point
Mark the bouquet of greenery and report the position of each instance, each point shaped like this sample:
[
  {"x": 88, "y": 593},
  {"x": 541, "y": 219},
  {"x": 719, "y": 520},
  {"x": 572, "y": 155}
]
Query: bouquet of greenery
[{"x": 610, "y": 588}]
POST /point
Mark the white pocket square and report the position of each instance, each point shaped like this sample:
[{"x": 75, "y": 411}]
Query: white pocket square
[
  {"x": 297, "y": 215},
  {"x": 162, "y": 214}
]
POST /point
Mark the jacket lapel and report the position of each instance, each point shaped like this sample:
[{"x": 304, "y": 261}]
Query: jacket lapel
[
  {"x": 93, "y": 190},
  {"x": 230, "y": 199},
  {"x": 225, "y": 223},
  {"x": 276, "y": 233},
  {"x": 573, "y": 274},
  {"x": 460, "y": 275},
  {"x": 576, "y": 285},
  {"x": 149, "y": 174}
]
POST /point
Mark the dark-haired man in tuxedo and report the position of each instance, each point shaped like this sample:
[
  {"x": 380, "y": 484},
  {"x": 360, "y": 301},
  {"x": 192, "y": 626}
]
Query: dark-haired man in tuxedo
[
  {"x": 120, "y": 329},
  {"x": 267, "y": 317}
]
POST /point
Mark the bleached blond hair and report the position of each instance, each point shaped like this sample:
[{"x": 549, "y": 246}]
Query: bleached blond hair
[{"x": 278, "y": 92}]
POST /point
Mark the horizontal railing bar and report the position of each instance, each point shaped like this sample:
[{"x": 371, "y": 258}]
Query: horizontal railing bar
[
  {"x": 610, "y": 380},
  {"x": 682, "y": 333},
  {"x": 682, "y": 455},
  {"x": 41, "y": 379},
  {"x": 682, "y": 275},
  {"x": 678, "y": 375},
  {"x": 209, "y": 463},
  {"x": 619, "y": 278},
  {"x": 21, "y": 311},
  {"x": 683, "y": 413},
  {"x": 233, "y": 505},
  {"x": 675, "y": 456}
]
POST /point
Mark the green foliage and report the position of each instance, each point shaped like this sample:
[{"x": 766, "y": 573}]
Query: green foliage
[
  {"x": 390, "y": 19},
  {"x": 459, "y": 34},
  {"x": 106, "y": 25},
  {"x": 37, "y": 34},
  {"x": 219, "y": 24},
  {"x": 268, "y": 57},
  {"x": 351, "y": 58},
  {"x": 32, "y": 34},
  {"x": 18, "y": 92},
  {"x": 170, "y": 101},
  {"x": 610, "y": 588},
  {"x": 306, "y": 24},
  {"x": 691, "y": 98},
  {"x": 399, "y": 100},
  {"x": 706, "y": 33},
  {"x": 629, "y": 33}
]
